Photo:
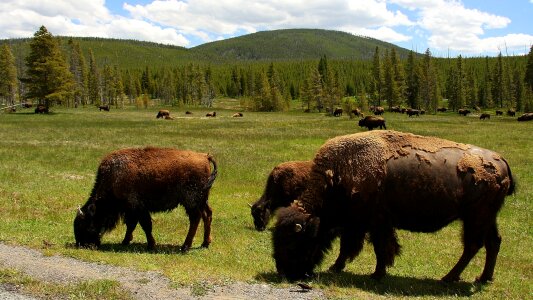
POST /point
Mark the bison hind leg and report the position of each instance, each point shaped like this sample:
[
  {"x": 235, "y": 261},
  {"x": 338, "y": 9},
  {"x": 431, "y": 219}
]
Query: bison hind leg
[
  {"x": 207, "y": 217},
  {"x": 492, "y": 245},
  {"x": 131, "y": 220},
  {"x": 146, "y": 223},
  {"x": 386, "y": 248}
]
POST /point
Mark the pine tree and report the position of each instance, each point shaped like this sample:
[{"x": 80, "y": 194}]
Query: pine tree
[
  {"x": 47, "y": 76},
  {"x": 485, "y": 89},
  {"x": 517, "y": 89},
  {"x": 8, "y": 76},
  {"x": 428, "y": 83},
  {"x": 499, "y": 88},
  {"x": 528, "y": 78},
  {"x": 377, "y": 78},
  {"x": 93, "y": 81},
  {"x": 412, "y": 81},
  {"x": 78, "y": 69}
]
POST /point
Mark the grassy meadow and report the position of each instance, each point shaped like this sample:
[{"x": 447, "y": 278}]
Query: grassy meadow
[{"x": 48, "y": 165}]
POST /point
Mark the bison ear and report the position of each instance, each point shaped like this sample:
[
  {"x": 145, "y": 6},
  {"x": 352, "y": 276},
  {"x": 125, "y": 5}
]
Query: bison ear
[
  {"x": 297, "y": 227},
  {"x": 313, "y": 225}
]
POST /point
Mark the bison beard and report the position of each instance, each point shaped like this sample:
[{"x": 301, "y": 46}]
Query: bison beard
[
  {"x": 132, "y": 183},
  {"x": 376, "y": 182}
]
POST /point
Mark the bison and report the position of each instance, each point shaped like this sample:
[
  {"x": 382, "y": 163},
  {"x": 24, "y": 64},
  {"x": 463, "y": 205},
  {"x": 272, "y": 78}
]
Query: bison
[
  {"x": 379, "y": 181},
  {"x": 378, "y": 110},
  {"x": 337, "y": 112},
  {"x": 238, "y": 115},
  {"x": 511, "y": 112},
  {"x": 463, "y": 111},
  {"x": 484, "y": 116},
  {"x": 103, "y": 107},
  {"x": 442, "y": 109},
  {"x": 285, "y": 183},
  {"x": 163, "y": 113},
  {"x": 526, "y": 117},
  {"x": 132, "y": 183},
  {"x": 499, "y": 113},
  {"x": 372, "y": 122},
  {"x": 412, "y": 112},
  {"x": 211, "y": 114},
  {"x": 41, "y": 109}
]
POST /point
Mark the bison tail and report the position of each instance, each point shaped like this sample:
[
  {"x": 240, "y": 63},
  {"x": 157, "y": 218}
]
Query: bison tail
[
  {"x": 512, "y": 186},
  {"x": 213, "y": 175}
]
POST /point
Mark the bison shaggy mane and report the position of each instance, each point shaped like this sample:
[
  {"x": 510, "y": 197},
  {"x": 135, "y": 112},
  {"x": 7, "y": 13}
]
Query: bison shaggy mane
[
  {"x": 132, "y": 183},
  {"x": 372, "y": 183}
]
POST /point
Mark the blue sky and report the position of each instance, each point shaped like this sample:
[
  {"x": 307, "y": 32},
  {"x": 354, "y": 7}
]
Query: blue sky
[{"x": 446, "y": 27}]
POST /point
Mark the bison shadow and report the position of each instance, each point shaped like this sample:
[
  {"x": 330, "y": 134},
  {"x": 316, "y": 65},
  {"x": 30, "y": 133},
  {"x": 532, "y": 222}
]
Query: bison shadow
[
  {"x": 141, "y": 248},
  {"x": 390, "y": 285}
]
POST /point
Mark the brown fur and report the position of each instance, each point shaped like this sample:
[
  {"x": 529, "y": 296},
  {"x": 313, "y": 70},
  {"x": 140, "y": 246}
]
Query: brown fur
[
  {"x": 211, "y": 114},
  {"x": 132, "y": 183},
  {"x": 285, "y": 184},
  {"x": 526, "y": 117},
  {"x": 372, "y": 122},
  {"x": 484, "y": 116},
  {"x": 103, "y": 107},
  {"x": 379, "y": 181},
  {"x": 165, "y": 114}
]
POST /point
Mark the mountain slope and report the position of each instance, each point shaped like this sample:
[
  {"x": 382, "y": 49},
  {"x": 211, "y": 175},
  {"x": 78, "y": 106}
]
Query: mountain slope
[{"x": 290, "y": 44}]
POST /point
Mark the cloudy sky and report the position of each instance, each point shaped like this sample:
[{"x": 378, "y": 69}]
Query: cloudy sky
[{"x": 467, "y": 27}]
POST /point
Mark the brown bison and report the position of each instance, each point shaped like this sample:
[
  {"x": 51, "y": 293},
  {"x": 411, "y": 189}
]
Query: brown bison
[
  {"x": 132, "y": 183},
  {"x": 484, "y": 116},
  {"x": 163, "y": 113},
  {"x": 238, "y": 115},
  {"x": 379, "y": 181},
  {"x": 337, "y": 112},
  {"x": 511, "y": 112},
  {"x": 41, "y": 109},
  {"x": 499, "y": 113},
  {"x": 412, "y": 112},
  {"x": 372, "y": 122},
  {"x": 463, "y": 111},
  {"x": 526, "y": 117},
  {"x": 356, "y": 112},
  {"x": 103, "y": 107},
  {"x": 442, "y": 109},
  {"x": 211, "y": 114},
  {"x": 285, "y": 183},
  {"x": 378, "y": 110}
]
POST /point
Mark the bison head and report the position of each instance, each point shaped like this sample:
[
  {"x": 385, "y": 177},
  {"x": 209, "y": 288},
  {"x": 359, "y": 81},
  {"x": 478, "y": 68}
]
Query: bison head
[
  {"x": 86, "y": 232},
  {"x": 261, "y": 215},
  {"x": 296, "y": 244}
]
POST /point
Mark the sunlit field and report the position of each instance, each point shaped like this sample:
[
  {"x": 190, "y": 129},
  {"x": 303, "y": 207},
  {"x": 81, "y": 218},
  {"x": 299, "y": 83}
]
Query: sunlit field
[{"x": 48, "y": 165}]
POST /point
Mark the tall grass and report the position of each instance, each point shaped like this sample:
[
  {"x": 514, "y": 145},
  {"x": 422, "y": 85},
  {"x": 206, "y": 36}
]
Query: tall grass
[{"x": 49, "y": 162}]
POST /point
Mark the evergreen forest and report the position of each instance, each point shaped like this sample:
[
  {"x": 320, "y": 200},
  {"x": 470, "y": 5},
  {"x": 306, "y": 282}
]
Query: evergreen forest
[{"x": 266, "y": 71}]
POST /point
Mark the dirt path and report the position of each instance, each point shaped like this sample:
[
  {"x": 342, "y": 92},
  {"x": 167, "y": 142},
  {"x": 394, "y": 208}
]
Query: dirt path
[{"x": 141, "y": 285}]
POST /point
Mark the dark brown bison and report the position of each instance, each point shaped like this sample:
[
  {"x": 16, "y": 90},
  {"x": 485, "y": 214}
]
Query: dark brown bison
[
  {"x": 372, "y": 122},
  {"x": 41, "y": 109},
  {"x": 379, "y": 181},
  {"x": 463, "y": 111},
  {"x": 499, "y": 113},
  {"x": 188, "y": 112},
  {"x": 26, "y": 105},
  {"x": 211, "y": 114},
  {"x": 356, "y": 112},
  {"x": 238, "y": 115},
  {"x": 442, "y": 109},
  {"x": 132, "y": 183},
  {"x": 163, "y": 113},
  {"x": 412, "y": 112},
  {"x": 526, "y": 117},
  {"x": 337, "y": 112},
  {"x": 285, "y": 183},
  {"x": 378, "y": 110},
  {"x": 103, "y": 107},
  {"x": 484, "y": 116},
  {"x": 511, "y": 112}
]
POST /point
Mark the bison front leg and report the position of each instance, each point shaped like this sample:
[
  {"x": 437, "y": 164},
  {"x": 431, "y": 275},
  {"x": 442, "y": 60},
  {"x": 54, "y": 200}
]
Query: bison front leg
[
  {"x": 351, "y": 244},
  {"x": 194, "y": 219},
  {"x": 146, "y": 223},
  {"x": 131, "y": 221},
  {"x": 386, "y": 247},
  {"x": 207, "y": 218}
]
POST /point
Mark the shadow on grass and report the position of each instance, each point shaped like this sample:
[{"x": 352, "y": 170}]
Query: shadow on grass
[
  {"x": 140, "y": 248},
  {"x": 390, "y": 285}
]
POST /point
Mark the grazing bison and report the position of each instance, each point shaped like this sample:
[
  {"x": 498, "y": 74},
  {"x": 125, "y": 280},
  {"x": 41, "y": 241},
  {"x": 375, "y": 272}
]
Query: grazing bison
[
  {"x": 378, "y": 110},
  {"x": 163, "y": 114},
  {"x": 463, "y": 111},
  {"x": 355, "y": 112},
  {"x": 188, "y": 112},
  {"x": 372, "y": 122},
  {"x": 376, "y": 182},
  {"x": 211, "y": 114},
  {"x": 499, "y": 113},
  {"x": 337, "y": 112},
  {"x": 412, "y": 112},
  {"x": 132, "y": 183},
  {"x": 41, "y": 109},
  {"x": 511, "y": 112},
  {"x": 442, "y": 109},
  {"x": 103, "y": 107},
  {"x": 484, "y": 116},
  {"x": 526, "y": 117},
  {"x": 285, "y": 183},
  {"x": 238, "y": 115}
]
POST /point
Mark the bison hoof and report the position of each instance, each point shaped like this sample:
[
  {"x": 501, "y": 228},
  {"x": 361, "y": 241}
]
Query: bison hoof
[
  {"x": 483, "y": 279},
  {"x": 336, "y": 268},
  {"x": 205, "y": 245},
  {"x": 450, "y": 278},
  {"x": 185, "y": 248},
  {"x": 377, "y": 275}
]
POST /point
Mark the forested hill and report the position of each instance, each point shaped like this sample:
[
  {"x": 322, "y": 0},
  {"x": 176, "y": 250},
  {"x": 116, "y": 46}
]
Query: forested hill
[
  {"x": 277, "y": 45},
  {"x": 295, "y": 44}
]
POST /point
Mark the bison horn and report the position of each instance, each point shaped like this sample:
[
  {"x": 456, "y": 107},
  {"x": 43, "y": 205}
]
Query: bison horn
[
  {"x": 298, "y": 227},
  {"x": 80, "y": 213},
  {"x": 250, "y": 205}
]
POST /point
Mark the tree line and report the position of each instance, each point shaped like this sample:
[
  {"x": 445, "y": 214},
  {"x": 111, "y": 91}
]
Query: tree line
[{"x": 53, "y": 75}]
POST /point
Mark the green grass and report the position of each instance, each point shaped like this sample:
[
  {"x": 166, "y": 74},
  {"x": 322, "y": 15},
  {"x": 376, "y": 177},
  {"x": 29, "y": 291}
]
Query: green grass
[{"x": 49, "y": 162}]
